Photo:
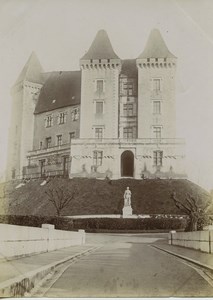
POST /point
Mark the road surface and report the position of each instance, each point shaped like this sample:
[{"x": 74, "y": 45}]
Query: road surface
[{"x": 126, "y": 266}]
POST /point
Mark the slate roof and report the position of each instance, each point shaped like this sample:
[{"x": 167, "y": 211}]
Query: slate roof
[
  {"x": 61, "y": 89},
  {"x": 129, "y": 68},
  {"x": 32, "y": 71},
  {"x": 101, "y": 48},
  {"x": 156, "y": 47}
]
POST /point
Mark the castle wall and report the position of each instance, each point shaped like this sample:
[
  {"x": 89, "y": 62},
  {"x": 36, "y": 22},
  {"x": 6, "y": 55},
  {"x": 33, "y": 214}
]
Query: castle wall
[
  {"x": 83, "y": 163},
  {"x": 71, "y": 125}
]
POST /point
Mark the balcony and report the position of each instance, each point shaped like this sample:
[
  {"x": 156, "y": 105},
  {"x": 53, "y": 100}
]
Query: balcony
[{"x": 55, "y": 149}]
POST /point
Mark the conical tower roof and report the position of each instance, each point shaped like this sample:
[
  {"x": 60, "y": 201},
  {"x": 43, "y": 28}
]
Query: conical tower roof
[
  {"x": 156, "y": 47},
  {"x": 32, "y": 71},
  {"x": 101, "y": 48}
]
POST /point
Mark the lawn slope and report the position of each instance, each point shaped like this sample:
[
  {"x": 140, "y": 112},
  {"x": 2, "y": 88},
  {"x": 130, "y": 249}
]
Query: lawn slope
[{"x": 151, "y": 196}]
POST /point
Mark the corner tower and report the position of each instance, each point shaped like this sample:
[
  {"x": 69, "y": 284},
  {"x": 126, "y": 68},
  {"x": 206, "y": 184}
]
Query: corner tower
[
  {"x": 156, "y": 89},
  {"x": 25, "y": 94},
  {"x": 99, "y": 89}
]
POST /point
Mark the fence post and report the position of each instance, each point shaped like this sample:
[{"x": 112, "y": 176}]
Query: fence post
[{"x": 48, "y": 227}]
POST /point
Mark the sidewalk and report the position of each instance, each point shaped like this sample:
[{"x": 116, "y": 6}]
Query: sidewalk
[
  {"x": 20, "y": 275},
  {"x": 202, "y": 259}
]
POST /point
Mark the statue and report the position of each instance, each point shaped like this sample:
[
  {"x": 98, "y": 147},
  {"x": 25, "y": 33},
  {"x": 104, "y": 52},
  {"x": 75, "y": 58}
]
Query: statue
[{"x": 127, "y": 197}]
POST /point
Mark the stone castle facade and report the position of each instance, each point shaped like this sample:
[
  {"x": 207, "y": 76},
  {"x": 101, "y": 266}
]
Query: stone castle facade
[{"x": 112, "y": 118}]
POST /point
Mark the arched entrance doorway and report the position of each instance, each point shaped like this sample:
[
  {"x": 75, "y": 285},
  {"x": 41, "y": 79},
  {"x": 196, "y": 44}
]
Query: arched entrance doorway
[{"x": 127, "y": 164}]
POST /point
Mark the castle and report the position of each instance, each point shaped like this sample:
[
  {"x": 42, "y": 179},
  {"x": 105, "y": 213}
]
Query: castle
[{"x": 113, "y": 118}]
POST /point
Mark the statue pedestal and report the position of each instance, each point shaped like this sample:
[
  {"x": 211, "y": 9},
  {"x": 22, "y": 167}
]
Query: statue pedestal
[{"x": 127, "y": 211}]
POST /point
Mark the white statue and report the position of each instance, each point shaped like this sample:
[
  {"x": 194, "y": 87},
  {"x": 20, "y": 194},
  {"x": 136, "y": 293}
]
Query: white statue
[{"x": 127, "y": 197}]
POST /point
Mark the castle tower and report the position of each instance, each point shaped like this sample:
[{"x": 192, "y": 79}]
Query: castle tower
[
  {"x": 156, "y": 89},
  {"x": 25, "y": 93},
  {"x": 99, "y": 89}
]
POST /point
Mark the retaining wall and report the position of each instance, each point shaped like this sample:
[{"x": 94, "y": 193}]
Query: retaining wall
[
  {"x": 18, "y": 241},
  {"x": 199, "y": 240}
]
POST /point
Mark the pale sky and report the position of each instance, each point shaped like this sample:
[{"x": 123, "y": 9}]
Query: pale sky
[{"x": 60, "y": 31}]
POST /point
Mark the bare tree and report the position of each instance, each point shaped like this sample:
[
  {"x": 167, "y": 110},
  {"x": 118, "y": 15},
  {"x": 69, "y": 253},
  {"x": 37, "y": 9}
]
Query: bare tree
[
  {"x": 190, "y": 207},
  {"x": 60, "y": 197}
]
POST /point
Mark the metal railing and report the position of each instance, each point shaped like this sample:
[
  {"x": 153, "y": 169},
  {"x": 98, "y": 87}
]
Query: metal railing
[{"x": 49, "y": 149}]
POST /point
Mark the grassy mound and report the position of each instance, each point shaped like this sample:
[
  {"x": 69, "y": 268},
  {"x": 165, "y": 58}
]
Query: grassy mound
[{"x": 98, "y": 196}]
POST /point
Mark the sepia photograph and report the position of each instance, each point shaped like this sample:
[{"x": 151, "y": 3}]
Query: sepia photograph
[{"x": 106, "y": 148}]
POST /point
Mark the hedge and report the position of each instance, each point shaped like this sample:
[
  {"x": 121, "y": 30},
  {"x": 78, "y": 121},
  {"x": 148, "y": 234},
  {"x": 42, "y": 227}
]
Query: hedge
[{"x": 90, "y": 224}]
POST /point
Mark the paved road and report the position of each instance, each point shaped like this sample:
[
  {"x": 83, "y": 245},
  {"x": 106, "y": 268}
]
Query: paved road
[{"x": 127, "y": 266}]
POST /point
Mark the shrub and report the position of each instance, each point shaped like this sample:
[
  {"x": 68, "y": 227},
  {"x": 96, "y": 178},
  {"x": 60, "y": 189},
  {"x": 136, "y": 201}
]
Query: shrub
[
  {"x": 97, "y": 223},
  {"x": 129, "y": 224}
]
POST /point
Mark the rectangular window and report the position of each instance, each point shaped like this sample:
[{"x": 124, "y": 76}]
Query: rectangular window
[
  {"x": 156, "y": 107},
  {"x": 99, "y": 107},
  {"x": 59, "y": 140},
  {"x": 75, "y": 114},
  {"x": 156, "y": 85},
  {"x": 100, "y": 86},
  {"x": 99, "y": 132},
  {"x": 72, "y": 135},
  {"x": 97, "y": 158},
  {"x": 157, "y": 158},
  {"x": 128, "y": 87},
  {"x": 157, "y": 132},
  {"x": 49, "y": 121},
  {"x": 128, "y": 109},
  {"x": 62, "y": 118},
  {"x": 128, "y": 133},
  {"x": 48, "y": 142}
]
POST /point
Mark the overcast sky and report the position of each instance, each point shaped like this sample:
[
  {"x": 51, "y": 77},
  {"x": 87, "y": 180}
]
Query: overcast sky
[{"x": 60, "y": 31}]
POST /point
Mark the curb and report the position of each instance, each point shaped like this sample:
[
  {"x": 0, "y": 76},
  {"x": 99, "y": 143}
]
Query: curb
[
  {"x": 202, "y": 265},
  {"x": 22, "y": 284}
]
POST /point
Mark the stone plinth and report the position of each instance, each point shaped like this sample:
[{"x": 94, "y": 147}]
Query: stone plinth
[{"x": 127, "y": 211}]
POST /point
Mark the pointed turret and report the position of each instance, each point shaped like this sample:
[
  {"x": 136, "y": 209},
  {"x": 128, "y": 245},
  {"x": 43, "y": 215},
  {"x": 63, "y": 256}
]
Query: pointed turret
[
  {"x": 156, "y": 87},
  {"x": 32, "y": 71},
  {"x": 101, "y": 48},
  {"x": 99, "y": 84},
  {"x": 156, "y": 47}
]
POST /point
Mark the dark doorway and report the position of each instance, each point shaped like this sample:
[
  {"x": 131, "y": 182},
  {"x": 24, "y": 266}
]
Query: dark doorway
[
  {"x": 65, "y": 166},
  {"x": 127, "y": 164},
  {"x": 42, "y": 168}
]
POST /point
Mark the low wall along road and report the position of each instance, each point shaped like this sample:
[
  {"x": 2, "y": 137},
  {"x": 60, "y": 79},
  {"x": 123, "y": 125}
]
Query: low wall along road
[
  {"x": 199, "y": 240},
  {"x": 18, "y": 241}
]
